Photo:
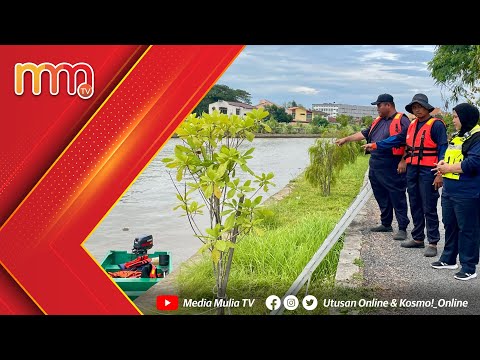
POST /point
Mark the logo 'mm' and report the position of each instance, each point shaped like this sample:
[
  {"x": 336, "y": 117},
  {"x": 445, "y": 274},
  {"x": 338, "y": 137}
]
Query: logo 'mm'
[{"x": 84, "y": 90}]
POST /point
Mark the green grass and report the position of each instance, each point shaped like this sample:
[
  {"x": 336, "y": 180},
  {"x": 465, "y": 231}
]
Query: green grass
[
  {"x": 359, "y": 262},
  {"x": 270, "y": 263}
]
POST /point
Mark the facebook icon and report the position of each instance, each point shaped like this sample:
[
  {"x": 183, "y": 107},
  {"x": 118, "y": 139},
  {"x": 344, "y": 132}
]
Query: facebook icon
[{"x": 273, "y": 302}]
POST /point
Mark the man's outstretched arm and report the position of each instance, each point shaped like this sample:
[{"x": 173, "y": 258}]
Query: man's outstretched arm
[{"x": 354, "y": 137}]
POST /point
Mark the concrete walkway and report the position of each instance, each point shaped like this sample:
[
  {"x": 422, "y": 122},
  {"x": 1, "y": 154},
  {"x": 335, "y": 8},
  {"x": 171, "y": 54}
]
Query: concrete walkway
[{"x": 377, "y": 261}]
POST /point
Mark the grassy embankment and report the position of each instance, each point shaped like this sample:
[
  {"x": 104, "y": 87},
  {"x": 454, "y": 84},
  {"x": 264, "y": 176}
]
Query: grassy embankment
[{"x": 270, "y": 263}]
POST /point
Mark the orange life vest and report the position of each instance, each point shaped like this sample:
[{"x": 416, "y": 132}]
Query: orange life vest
[
  {"x": 421, "y": 149},
  {"x": 136, "y": 263},
  {"x": 395, "y": 128},
  {"x": 125, "y": 274}
]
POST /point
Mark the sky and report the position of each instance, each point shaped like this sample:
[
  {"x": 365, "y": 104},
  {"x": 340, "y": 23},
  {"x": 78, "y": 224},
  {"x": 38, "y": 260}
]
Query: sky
[{"x": 345, "y": 74}]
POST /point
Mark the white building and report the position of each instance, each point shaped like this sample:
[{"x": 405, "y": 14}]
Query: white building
[
  {"x": 356, "y": 111},
  {"x": 230, "y": 108}
]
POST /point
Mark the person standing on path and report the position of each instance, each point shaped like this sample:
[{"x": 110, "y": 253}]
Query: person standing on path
[
  {"x": 426, "y": 144},
  {"x": 461, "y": 194},
  {"x": 386, "y": 170}
]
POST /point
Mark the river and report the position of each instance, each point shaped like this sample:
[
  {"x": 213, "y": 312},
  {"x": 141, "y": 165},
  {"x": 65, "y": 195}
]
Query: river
[{"x": 147, "y": 206}]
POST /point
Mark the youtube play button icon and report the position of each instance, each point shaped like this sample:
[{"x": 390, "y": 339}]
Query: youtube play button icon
[{"x": 167, "y": 302}]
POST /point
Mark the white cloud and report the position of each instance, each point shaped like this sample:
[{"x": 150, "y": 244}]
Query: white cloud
[
  {"x": 378, "y": 54},
  {"x": 304, "y": 90}
]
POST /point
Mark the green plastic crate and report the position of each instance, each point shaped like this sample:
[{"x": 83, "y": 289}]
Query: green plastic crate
[{"x": 132, "y": 287}]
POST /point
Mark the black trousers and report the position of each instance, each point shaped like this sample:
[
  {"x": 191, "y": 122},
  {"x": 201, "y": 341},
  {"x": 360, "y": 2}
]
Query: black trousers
[
  {"x": 462, "y": 232},
  {"x": 389, "y": 190},
  {"x": 423, "y": 203}
]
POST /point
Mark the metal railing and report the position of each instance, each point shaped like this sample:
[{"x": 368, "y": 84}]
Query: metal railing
[{"x": 329, "y": 242}]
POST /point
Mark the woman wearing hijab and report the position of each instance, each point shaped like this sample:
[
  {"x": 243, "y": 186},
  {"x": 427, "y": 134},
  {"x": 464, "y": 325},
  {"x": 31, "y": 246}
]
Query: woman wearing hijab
[{"x": 461, "y": 193}]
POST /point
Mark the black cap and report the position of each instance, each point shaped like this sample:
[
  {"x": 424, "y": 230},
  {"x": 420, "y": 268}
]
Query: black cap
[{"x": 383, "y": 98}]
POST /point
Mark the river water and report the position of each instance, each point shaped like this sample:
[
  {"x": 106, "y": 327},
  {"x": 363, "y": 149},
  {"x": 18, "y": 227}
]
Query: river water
[{"x": 147, "y": 207}]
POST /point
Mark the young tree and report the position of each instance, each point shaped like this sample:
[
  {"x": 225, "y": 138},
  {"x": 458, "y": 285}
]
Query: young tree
[
  {"x": 457, "y": 69},
  {"x": 326, "y": 161},
  {"x": 211, "y": 157}
]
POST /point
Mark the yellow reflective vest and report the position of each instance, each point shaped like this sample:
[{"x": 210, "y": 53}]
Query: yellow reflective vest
[{"x": 454, "y": 154}]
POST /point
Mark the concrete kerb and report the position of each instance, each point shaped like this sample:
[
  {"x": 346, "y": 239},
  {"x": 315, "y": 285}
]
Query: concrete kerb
[{"x": 349, "y": 269}]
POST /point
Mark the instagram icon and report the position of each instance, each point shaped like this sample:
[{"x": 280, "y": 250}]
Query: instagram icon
[{"x": 290, "y": 302}]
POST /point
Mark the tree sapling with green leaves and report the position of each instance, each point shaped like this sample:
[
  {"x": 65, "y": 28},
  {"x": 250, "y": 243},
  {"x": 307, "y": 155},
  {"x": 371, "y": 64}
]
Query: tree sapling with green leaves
[
  {"x": 210, "y": 157},
  {"x": 326, "y": 161}
]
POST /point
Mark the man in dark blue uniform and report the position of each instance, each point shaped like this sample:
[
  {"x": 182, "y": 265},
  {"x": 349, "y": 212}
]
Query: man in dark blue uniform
[
  {"x": 426, "y": 144},
  {"x": 387, "y": 166}
]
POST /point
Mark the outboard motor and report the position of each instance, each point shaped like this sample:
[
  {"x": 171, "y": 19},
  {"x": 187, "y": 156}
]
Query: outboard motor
[{"x": 142, "y": 244}]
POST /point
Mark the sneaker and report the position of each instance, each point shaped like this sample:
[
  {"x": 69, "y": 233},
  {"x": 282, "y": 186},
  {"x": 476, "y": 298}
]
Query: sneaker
[
  {"x": 430, "y": 251},
  {"x": 442, "y": 265},
  {"x": 464, "y": 276},
  {"x": 400, "y": 235},
  {"x": 412, "y": 244},
  {"x": 382, "y": 228}
]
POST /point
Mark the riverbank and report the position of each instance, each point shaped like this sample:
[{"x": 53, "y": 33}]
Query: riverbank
[{"x": 268, "y": 264}]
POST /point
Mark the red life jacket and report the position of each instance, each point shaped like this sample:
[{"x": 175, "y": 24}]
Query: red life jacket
[
  {"x": 136, "y": 263},
  {"x": 125, "y": 274},
  {"x": 421, "y": 149},
  {"x": 395, "y": 128}
]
